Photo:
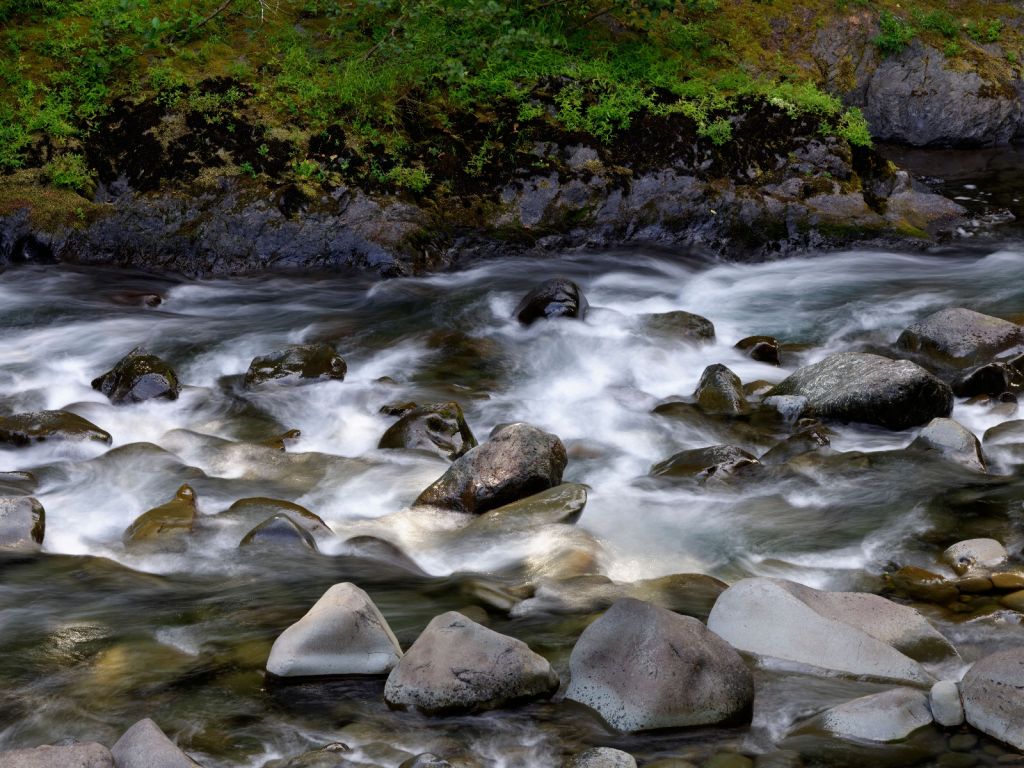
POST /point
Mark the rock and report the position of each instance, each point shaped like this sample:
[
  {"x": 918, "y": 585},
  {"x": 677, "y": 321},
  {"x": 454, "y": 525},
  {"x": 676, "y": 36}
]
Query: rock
[
  {"x": 426, "y": 760},
  {"x": 278, "y": 534},
  {"x": 85, "y": 755},
  {"x": 972, "y": 553},
  {"x": 17, "y": 483},
  {"x": 682, "y": 326},
  {"x": 344, "y": 633},
  {"x": 1014, "y": 601},
  {"x": 258, "y": 508},
  {"x": 601, "y": 757},
  {"x": 439, "y": 428},
  {"x": 992, "y": 696},
  {"x": 944, "y": 700},
  {"x": 457, "y": 665},
  {"x": 297, "y": 364},
  {"x": 720, "y": 391},
  {"x": 871, "y": 389},
  {"x": 170, "y": 521},
  {"x": 23, "y": 429},
  {"x": 952, "y": 440},
  {"x": 553, "y": 298},
  {"x": 960, "y": 338},
  {"x": 642, "y": 667},
  {"x": 138, "y": 376},
  {"x": 992, "y": 379},
  {"x": 380, "y": 550},
  {"x": 1008, "y": 580},
  {"x": 397, "y": 409},
  {"x": 856, "y": 633},
  {"x": 705, "y": 462},
  {"x": 144, "y": 745},
  {"x": 813, "y": 437},
  {"x": 329, "y": 756},
  {"x": 886, "y": 716},
  {"x": 920, "y": 584},
  {"x": 764, "y": 349},
  {"x": 729, "y": 760},
  {"x": 22, "y": 523},
  {"x": 561, "y": 505},
  {"x": 518, "y": 461}
]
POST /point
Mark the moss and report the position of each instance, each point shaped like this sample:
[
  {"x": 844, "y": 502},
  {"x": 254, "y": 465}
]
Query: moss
[{"x": 49, "y": 208}]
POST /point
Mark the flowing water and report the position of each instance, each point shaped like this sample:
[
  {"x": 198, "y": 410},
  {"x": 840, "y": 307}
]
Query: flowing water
[{"x": 95, "y": 637}]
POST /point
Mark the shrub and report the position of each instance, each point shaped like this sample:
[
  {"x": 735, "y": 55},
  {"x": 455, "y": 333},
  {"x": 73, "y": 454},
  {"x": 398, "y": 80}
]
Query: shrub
[
  {"x": 895, "y": 34},
  {"x": 69, "y": 171}
]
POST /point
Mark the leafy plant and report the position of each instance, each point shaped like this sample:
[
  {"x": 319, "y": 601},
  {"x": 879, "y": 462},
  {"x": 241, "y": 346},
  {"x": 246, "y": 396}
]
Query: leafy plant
[
  {"x": 70, "y": 171},
  {"x": 895, "y": 34}
]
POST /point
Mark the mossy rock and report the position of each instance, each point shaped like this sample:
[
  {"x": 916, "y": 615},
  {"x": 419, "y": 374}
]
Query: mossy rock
[
  {"x": 297, "y": 364},
  {"x": 138, "y": 376},
  {"x": 720, "y": 391},
  {"x": 170, "y": 521},
  {"x": 23, "y": 429}
]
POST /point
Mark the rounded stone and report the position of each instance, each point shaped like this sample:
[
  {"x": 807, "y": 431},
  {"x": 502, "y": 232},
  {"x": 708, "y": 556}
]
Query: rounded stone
[
  {"x": 944, "y": 699},
  {"x": 993, "y": 696},
  {"x": 22, "y": 523},
  {"x": 966, "y": 555},
  {"x": 601, "y": 757},
  {"x": 299, "y": 364},
  {"x": 144, "y": 745},
  {"x": 553, "y": 298},
  {"x": 136, "y": 377}
]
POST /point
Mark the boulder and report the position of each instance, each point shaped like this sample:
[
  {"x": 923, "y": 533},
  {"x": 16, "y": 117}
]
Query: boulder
[
  {"x": 601, "y": 757},
  {"x": 426, "y": 760},
  {"x": 165, "y": 524},
  {"x": 254, "y": 509},
  {"x": 952, "y": 440},
  {"x": 681, "y": 326},
  {"x": 144, "y": 745},
  {"x": 886, "y": 716},
  {"x": 720, "y": 391},
  {"x": 960, "y": 338},
  {"x": 84, "y": 755},
  {"x": 993, "y": 696},
  {"x": 297, "y": 364},
  {"x": 329, "y": 756},
  {"x": 871, "y": 389},
  {"x": 457, "y": 665},
  {"x": 17, "y": 483},
  {"x": 518, "y": 461},
  {"x": 764, "y": 349},
  {"x": 438, "y": 428},
  {"x": 812, "y": 437},
  {"x": 992, "y": 379},
  {"x": 561, "y": 505},
  {"x": 966, "y": 555},
  {"x": 705, "y": 462},
  {"x": 945, "y": 703},
  {"x": 22, "y": 523},
  {"x": 279, "y": 534},
  {"x": 642, "y": 667},
  {"x": 552, "y": 298},
  {"x": 854, "y": 633},
  {"x": 138, "y": 376},
  {"x": 23, "y": 429},
  {"x": 344, "y": 633}
]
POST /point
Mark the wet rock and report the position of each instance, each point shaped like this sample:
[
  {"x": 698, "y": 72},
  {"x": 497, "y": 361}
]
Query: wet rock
[
  {"x": 86, "y": 755},
  {"x": 426, "y": 760},
  {"x": 518, "y": 461},
  {"x": 279, "y": 534},
  {"x": 23, "y": 429},
  {"x": 705, "y": 462},
  {"x": 871, "y": 389},
  {"x": 992, "y": 696},
  {"x": 380, "y": 550},
  {"x": 960, "y": 338},
  {"x": 992, "y": 379},
  {"x": 886, "y": 716},
  {"x": 329, "y": 756},
  {"x": 561, "y": 505},
  {"x": 439, "y": 428},
  {"x": 138, "y": 376},
  {"x": 642, "y": 667},
  {"x": 920, "y": 584},
  {"x": 456, "y": 665},
  {"x": 166, "y": 524},
  {"x": 945, "y": 703},
  {"x": 782, "y": 758},
  {"x": 813, "y": 437},
  {"x": 729, "y": 760},
  {"x": 22, "y": 523},
  {"x": 17, "y": 483},
  {"x": 344, "y": 633},
  {"x": 851, "y": 632},
  {"x": 964, "y": 556},
  {"x": 1008, "y": 580},
  {"x": 256, "y": 508},
  {"x": 952, "y": 440},
  {"x": 601, "y": 757},
  {"x": 144, "y": 745},
  {"x": 764, "y": 349},
  {"x": 553, "y": 298},
  {"x": 397, "y": 409},
  {"x": 679, "y": 325},
  {"x": 720, "y": 391},
  {"x": 297, "y": 364}
]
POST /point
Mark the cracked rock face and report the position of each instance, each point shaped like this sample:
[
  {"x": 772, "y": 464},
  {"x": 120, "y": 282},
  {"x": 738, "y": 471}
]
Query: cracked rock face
[{"x": 457, "y": 665}]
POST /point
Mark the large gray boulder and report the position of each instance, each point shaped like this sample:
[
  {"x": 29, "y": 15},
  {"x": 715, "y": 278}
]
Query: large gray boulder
[
  {"x": 642, "y": 667},
  {"x": 457, "y": 665},
  {"x": 21, "y": 429},
  {"x": 439, "y": 428},
  {"x": 993, "y": 696},
  {"x": 518, "y": 461},
  {"x": 85, "y": 755},
  {"x": 22, "y": 523},
  {"x": 138, "y": 376},
  {"x": 855, "y": 633},
  {"x": 344, "y": 633},
  {"x": 959, "y": 338},
  {"x": 887, "y": 716},
  {"x": 144, "y": 745},
  {"x": 870, "y": 389}
]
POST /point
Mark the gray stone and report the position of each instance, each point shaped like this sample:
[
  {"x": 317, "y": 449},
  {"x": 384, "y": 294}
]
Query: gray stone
[
  {"x": 252, "y": 510},
  {"x": 138, "y": 376},
  {"x": 851, "y": 632},
  {"x": 886, "y": 716},
  {"x": 457, "y": 665},
  {"x": 960, "y": 338},
  {"x": 344, "y": 633},
  {"x": 144, "y": 745},
  {"x": 681, "y": 326},
  {"x": 297, "y": 364},
  {"x": 22, "y": 523},
  {"x": 553, "y": 298},
  {"x": 945, "y": 703},
  {"x": 279, "y": 534},
  {"x": 993, "y": 695},
  {"x": 439, "y": 428},
  {"x": 601, "y": 757},
  {"x": 871, "y": 389},
  {"x": 972, "y": 553},
  {"x": 561, "y": 505},
  {"x": 86, "y": 755},
  {"x": 704, "y": 462},
  {"x": 23, "y": 429},
  {"x": 952, "y": 440},
  {"x": 642, "y": 667},
  {"x": 720, "y": 391}
]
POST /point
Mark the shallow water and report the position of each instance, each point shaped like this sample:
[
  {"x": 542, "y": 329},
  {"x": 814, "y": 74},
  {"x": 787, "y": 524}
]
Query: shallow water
[{"x": 95, "y": 637}]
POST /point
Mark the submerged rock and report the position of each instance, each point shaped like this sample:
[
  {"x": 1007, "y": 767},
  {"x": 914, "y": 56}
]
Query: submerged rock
[
  {"x": 993, "y": 696},
  {"x": 426, "y": 760},
  {"x": 85, "y": 755},
  {"x": 871, "y": 389},
  {"x": 23, "y": 429},
  {"x": 553, "y": 298},
  {"x": 299, "y": 364},
  {"x": 144, "y": 745},
  {"x": 166, "y": 524},
  {"x": 254, "y": 509},
  {"x": 344, "y": 633},
  {"x": 681, "y": 326},
  {"x": 992, "y": 379},
  {"x": 852, "y": 632},
  {"x": 518, "y": 461},
  {"x": 966, "y": 555},
  {"x": 22, "y": 523},
  {"x": 952, "y": 440},
  {"x": 279, "y": 534},
  {"x": 720, "y": 391},
  {"x": 764, "y": 349},
  {"x": 886, "y": 716},
  {"x": 329, "y": 756},
  {"x": 705, "y": 462},
  {"x": 959, "y": 337},
  {"x": 601, "y": 757},
  {"x": 457, "y": 665},
  {"x": 562, "y": 504},
  {"x": 138, "y": 376},
  {"x": 440, "y": 428}
]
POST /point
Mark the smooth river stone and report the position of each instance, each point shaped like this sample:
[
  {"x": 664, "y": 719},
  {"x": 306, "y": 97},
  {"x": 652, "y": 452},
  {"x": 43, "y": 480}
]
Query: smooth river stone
[
  {"x": 972, "y": 553},
  {"x": 993, "y": 696},
  {"x": 144, "y": 745},
  {"x": 886, "y": 716},
  {"x": 86, "y": 755},
  {"x": 961, "y": 337}
]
